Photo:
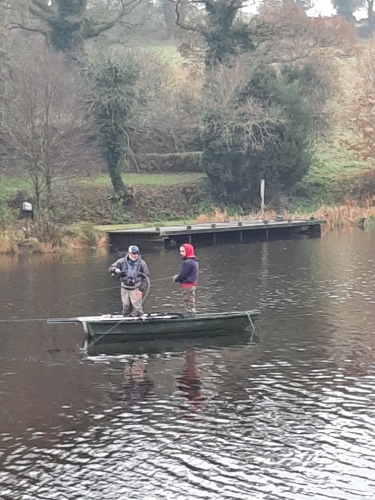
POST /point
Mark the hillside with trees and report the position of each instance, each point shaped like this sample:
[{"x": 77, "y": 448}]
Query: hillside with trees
[{"x": 106, "y": 87}]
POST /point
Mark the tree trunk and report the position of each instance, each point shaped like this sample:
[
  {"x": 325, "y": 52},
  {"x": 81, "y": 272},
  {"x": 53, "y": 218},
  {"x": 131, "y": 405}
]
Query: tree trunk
[
  {"x": 370, "y": 15},
  {"x": 121, "y": 191},
  {"x": 169, "y": 18},
  {"x": 47, "y": 158}
]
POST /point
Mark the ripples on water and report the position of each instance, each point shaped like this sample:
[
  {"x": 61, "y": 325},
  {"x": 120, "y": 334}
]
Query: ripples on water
[{"x": 290, "y": 416}]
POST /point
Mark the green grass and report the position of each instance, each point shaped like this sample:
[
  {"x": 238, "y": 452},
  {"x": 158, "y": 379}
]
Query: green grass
[
  {"x": 168, "y": 51},
  {"x": 118, "y": 227},
  {"x": 333, "y": 170},
  {"x": 152, "y": 180},
  {"x": 332, "y": 161},
  {"x": 9, "y": 186}
]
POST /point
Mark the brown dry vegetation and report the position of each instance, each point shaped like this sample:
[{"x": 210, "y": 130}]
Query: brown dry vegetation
[
  {"x": 9, "y": 242},
  {"x": 351, "y": 213},
  {"x": 348, "y": 214},
  {"x": 78, "y": 237}
]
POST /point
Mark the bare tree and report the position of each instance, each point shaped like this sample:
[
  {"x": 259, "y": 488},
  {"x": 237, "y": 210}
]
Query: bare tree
[
  {"x": 294, "y": 36},
  {"x": 166, "y": 115},
  {"x": 357, "y": 106},
  {"x": 44, "y": 127},
  {"x": 67, "y": 24},
  {"x": 234, "y": 115},
  {"x": 4, "y": 14},
  {"x": 235, "y": 127},
  {"x": 281, "y": 29}
]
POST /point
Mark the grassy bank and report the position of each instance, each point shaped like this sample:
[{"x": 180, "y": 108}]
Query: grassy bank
[
  {"x": 140, "y": 225},
  {"x": 152, "y": 180},
  {"x": 11, "y": 185},
  {"x": 85, "y": 209},
  {"x": 156, "y": 197},
  {"x": 80, "y": 205},
  {"x": 80, "y": 236}
]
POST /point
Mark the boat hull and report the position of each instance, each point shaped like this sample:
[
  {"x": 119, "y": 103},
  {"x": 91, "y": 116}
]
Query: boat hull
[
  {"x": 119, "y": 329},
  {"x": 162, "y": 345}
]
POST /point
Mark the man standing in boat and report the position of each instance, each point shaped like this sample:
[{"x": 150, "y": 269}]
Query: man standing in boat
[
  {"x": 134, "y": 275},
  {"x": 188, "y": 277}
]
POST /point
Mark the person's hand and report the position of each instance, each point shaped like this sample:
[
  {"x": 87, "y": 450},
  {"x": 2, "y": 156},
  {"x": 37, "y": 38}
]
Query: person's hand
[
  {"x": 174, "y": 277},
  {"x": 117, "y": 271},
  {"x": 139, "y": 294}
]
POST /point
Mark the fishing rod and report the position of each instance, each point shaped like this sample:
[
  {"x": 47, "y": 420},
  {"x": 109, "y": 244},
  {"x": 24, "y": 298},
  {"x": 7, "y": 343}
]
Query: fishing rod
[
  {"x": 105, "y": 289},
  {"x": 144, "y": 296},
  {"x": 15, "y": 320}
]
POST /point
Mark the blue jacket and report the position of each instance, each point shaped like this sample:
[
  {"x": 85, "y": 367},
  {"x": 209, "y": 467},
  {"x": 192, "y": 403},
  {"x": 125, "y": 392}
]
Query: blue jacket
[{"x": 189, "y": 272}]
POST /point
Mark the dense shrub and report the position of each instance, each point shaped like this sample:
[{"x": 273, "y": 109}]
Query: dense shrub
[
  {"x": 96, "y": 204},
  {"x": 279, "y": 151},
  {"x": 172, "y": 162}
]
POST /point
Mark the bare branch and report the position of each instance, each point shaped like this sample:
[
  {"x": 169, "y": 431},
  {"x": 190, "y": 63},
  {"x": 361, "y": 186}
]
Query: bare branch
[
  {"x": 44, "y": 126},
  {"x": 92, "y": 30},
  {"x": 183, "y": 25},
  {"x": 16, "y": 25},
  {"x": 247, "y": 121}
]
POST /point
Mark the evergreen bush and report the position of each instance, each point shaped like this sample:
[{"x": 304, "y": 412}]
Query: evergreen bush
[{"x": 282, "y": 158}]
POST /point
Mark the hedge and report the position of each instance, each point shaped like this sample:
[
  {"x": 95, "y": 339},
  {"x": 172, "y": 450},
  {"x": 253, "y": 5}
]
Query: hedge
[{"x": 171, "y": 162}]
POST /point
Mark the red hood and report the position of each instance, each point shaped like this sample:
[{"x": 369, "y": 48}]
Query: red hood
[{"x": 189, "y": 251}]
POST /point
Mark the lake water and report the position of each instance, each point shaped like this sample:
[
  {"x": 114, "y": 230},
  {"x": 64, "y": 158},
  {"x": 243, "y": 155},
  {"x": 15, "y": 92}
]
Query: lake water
[{"x": 289, "y": 416}]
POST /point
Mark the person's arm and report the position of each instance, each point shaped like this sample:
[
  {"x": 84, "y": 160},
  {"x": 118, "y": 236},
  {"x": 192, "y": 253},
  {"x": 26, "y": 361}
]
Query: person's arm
[
  {"x": 145, "y": 272},
  {"x": 116, "y": 267}
]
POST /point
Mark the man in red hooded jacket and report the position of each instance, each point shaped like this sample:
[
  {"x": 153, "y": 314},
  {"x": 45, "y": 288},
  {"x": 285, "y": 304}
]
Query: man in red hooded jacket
[{"x": 188, "y": 277}]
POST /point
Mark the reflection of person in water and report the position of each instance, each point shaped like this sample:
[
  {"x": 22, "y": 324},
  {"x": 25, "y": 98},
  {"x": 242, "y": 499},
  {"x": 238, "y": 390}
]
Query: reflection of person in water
[
  {"x": 189, "y": 383},
  {"x": 136, "y": 384}
]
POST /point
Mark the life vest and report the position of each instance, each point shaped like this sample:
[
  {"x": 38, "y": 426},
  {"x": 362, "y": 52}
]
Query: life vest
[{"x": 132, "y": 271}]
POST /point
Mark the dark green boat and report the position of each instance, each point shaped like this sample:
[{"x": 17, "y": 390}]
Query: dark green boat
[
  {"x": 108, "y": 328},
  {"x": 169, "y": 344}
]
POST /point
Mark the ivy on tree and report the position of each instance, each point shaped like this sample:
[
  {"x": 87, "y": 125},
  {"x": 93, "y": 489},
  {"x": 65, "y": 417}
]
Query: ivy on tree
[{"x": 113, "y": 100}]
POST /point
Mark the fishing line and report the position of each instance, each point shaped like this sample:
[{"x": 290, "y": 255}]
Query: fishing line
[
  {"x": 105, "y": 289},
  {"x": 87, "y": 293},
  {"x": 84, "y": 293}
]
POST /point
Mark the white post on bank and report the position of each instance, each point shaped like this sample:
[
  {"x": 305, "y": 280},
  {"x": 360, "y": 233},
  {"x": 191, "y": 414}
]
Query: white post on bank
[{"x": 262, "y": 193}]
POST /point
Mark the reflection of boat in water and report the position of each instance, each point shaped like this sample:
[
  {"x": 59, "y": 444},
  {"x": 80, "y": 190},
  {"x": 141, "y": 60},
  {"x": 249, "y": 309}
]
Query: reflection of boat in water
[
  {"x": 108, "y": 328},
  {"x": 170, "y": 344}
]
